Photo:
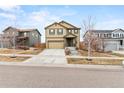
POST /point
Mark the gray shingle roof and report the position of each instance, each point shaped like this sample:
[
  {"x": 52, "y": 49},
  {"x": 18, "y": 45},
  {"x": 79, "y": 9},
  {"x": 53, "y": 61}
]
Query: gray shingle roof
[
  {"x": 103, "y": 31},
  {"x": 106, "y": 31}
]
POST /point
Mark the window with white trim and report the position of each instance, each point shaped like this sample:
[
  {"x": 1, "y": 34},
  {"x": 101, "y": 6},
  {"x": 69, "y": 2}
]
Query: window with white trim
[
  {"x": 60, "y": 31},
  {"x": 51, "y": 32},
  {"x": 76, "y": 31}
]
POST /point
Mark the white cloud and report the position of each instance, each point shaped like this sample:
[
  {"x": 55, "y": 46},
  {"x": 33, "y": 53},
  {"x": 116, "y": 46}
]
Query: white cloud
[
  {"x": 8, "y": 16},
  {"x": 9, "y": 8},
  {"x": 35, "y": 19},
  {"x": 47, "y": 16},
  {"x": 38, "y": 16}
]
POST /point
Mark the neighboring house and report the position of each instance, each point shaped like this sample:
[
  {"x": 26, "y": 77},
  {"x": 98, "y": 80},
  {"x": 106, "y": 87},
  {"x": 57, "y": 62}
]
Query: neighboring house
[
  {"x": 23, "y": 37},
  {"x": 112, "y": 39},
  {"x": 5, "y": 41},
  {"x": 61, "y": 35}
]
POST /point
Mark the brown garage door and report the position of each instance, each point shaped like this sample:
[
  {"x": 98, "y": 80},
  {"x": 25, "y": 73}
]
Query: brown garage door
[{"x": 56, "y": 44}]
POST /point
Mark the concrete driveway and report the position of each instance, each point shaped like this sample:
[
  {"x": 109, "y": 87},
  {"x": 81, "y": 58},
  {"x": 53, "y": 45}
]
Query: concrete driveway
[{"x": 49, "y": 56}]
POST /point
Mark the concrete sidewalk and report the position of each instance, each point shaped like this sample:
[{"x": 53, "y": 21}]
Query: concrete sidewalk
[
  {"x": 20, "y": 55},
  {"x": 48, "y": 56},
  {"x": 87, "y": 66}
]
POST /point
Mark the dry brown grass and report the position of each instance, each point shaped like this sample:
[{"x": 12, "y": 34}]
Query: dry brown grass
[
  {"x": 19, "y": 51},
  {"x": 96, "y": 61},
  {"x": 97, "y": 54},
  {"x": 119, "y": 55},
  {"x": 33, "y": 52},
  {"x": 10, "y": 59}
]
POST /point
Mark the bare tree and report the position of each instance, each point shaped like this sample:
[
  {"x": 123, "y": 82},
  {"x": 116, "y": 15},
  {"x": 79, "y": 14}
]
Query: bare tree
[
  {"x": 92, "y": 40},
  {"x": 89, "y": 37}
]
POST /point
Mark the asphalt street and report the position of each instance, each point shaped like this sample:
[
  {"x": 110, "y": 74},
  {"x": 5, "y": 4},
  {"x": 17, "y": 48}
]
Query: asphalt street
[{"x": 59, "y": 77}]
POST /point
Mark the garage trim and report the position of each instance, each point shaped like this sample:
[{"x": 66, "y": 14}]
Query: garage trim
[{"x": 56, "y": 44}]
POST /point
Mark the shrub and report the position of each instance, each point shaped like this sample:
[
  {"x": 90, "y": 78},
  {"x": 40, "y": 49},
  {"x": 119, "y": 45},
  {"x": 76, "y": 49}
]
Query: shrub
[{"x": 67, "y": 51}]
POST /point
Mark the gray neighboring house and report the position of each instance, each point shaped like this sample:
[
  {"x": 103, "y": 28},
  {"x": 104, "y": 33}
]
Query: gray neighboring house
[
  {"x": 113, "y": 39},
  {"x": 23, "y": 37}
]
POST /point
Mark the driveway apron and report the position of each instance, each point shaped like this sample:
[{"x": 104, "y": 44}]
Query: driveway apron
[{"x": 49, "y": 56}]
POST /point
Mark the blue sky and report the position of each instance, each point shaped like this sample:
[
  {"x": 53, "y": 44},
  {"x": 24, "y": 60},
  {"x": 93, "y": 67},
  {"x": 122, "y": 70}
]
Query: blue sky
[{"x": 27, "y": 16}]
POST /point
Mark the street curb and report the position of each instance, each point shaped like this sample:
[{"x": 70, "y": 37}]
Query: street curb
[{"x": 64, "y": 65}]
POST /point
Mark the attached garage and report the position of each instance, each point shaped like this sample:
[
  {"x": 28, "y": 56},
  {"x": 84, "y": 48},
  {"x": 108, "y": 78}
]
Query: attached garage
[
  {"x": 111, "y": 46},
  {"x": 55, "y": 44}
]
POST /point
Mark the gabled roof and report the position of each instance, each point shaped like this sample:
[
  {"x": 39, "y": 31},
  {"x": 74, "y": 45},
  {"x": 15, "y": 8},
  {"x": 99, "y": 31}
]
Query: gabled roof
[
  {"x": 118, "y": 29},
  {"x": 60, "y": 23},
  {"x": 68, "y": 24},
  {"x": 10, "y": 28},
  {"x": 21, "y": 30},
  {"x": 107, "y": 31},
  {"x": 53, "y": 24},
  {"x": 29, "y": 30},
  {"x": 70, "y": 34},
  {"x": 102, "y": 31}
]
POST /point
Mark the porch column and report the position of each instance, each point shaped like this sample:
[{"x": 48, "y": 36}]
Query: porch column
[
  {"x": 75, "y": 41},
  {"x": 123, "y": 44},
  {"x": 65, "y": 42}
]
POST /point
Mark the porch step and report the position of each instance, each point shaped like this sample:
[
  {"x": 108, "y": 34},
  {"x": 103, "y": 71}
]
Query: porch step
[{"x": 73, "y": 50}]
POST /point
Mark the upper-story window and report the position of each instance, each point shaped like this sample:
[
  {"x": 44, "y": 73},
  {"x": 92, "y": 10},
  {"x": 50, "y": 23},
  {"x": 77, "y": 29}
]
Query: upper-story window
[
  {"x": 25, "y": 33},
  {"x": 36, "y": 35},
  {"x": 33, "y": 34},
  {"x": 105, "y": 35},
  {"x": 51, "y": 32},
  {"x": 76, "y": 31},
  {"x": 60, "y": 31},
  {"x": 116, "y": 35},
  {"x": 97, "y": 35},
  {"x": 72, "y": 31},
  {"x": 13, "y": 33},
  {"x": 113, "y": 35},
  {"x": 121, "y": 35},
  {"x": 69, "y": 31}
]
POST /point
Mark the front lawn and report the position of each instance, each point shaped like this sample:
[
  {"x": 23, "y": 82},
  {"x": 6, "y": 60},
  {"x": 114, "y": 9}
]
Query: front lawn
[
  {"x": 10, "y": 59},
  {"x": 33, "y": 52},
  {"x": 95, "y": 61},
  {"x": 99, "y": 54},
  {"x": 19, "y": 51}
]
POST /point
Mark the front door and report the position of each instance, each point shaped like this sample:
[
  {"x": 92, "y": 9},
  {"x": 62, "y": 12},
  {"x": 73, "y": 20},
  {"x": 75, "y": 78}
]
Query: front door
[{"x": 70, "y": 42}]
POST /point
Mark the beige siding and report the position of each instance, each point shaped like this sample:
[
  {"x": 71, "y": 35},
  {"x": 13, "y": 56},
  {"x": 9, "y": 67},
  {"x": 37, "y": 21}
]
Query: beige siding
[
  {"x": 58, "y": 41},
  {"x": 66, "y": 25},
  {"x": 55, "y": 28}
]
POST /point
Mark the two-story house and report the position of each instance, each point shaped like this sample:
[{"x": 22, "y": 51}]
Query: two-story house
[
  {"x": 23, "y": 37},
  {"x": 61, "y": 35},
  {"x": 112, "y": 39}
]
